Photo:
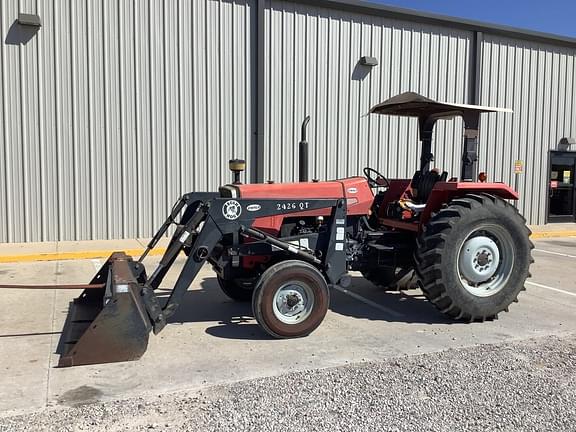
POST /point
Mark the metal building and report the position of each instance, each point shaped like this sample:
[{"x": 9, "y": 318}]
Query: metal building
[{"x": 112, "y": 108}]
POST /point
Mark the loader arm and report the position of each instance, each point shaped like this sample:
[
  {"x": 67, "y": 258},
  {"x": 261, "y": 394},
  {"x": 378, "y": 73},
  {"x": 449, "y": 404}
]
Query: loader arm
[
  {"x": 203, "y": 228},
  {"x": 112, "y": 318}
]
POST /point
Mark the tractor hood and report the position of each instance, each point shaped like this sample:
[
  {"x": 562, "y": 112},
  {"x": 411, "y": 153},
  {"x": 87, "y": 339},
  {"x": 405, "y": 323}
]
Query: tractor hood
[
  {"x": 358, "y": 194},
  {"x": 412, "y": 104}
]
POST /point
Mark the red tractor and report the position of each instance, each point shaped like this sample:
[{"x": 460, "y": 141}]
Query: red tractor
[{"x": 283, "y": 246}]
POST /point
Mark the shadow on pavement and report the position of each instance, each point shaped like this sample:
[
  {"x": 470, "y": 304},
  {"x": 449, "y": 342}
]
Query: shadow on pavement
[
  {"x": 208, "y": 304},
  {"x": 405, "y": 306},
  {"x": 235, "y": 320}
]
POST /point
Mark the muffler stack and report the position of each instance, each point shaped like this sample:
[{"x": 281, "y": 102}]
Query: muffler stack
[{"x": 109, "y": 323}]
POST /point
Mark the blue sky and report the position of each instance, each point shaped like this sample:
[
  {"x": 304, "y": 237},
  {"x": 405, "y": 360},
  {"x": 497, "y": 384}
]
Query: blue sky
[{"x": 552, "y": 16}]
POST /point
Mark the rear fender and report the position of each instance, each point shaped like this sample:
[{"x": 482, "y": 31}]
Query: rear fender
[{"x": 444, "y": 192}]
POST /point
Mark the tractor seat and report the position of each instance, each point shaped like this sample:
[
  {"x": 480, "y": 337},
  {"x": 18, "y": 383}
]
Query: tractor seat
[{"x": 423, "y": 183}]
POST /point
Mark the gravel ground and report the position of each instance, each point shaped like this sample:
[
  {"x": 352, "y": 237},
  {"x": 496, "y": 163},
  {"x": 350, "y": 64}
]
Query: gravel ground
[{"x": 522, "y": 386}]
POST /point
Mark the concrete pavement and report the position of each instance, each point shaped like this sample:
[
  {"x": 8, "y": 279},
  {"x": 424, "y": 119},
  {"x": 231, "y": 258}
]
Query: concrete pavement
[{"x": 213, "y": 340}]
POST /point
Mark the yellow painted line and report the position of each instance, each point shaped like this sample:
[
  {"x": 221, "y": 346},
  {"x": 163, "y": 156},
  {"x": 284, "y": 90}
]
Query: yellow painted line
[
  {"x": 80, "y": 255},
  {"x": 551, "y": 234}
]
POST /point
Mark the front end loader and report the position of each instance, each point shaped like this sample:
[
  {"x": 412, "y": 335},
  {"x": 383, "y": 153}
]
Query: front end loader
[{"x": 283, "y": 246}]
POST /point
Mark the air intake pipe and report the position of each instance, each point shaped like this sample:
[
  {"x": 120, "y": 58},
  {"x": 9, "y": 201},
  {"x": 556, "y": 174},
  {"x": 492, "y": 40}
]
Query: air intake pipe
[{"x": 303, "y": 152}]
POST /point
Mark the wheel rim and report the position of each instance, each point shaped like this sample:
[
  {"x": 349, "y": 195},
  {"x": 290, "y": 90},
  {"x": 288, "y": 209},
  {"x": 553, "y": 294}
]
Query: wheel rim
[
  {"x": 485, "y": 261},
  {"x": 293, "y": 302}
]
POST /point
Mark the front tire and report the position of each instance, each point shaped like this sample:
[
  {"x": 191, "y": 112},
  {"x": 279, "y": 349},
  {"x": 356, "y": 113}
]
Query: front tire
[
  {"x": 473, "y": 257},
  {"x": 237, "y": 291},
  {"x": 290, "y": 299}
]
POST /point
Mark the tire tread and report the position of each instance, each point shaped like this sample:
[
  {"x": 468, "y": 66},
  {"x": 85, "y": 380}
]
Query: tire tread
[{"x": 429, "y": 252}]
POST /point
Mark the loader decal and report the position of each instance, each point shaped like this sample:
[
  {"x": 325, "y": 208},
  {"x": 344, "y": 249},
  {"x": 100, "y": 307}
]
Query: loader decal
[
  {"x": 232, "y": 210},
  {"x": 302, "y": 205},
  {"x": 253, "y": 207}
]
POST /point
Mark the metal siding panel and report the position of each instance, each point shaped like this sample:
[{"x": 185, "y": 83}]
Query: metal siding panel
[
  {"x": 274, "y": 140},
  {"x": 201, "y": 167},
  {"x": 143, "y": 130},
  {"x": 213, "y": 121},
  {"x": 331, "y": 161},
  {"x": 288, "y": 164},
  {"x": 172, "y": 142},
  {"x": 321, "y": 119},
  {"x": 350, "y": 88},
  {"x": 300, "y": 83},
  {"x": 570, "y": 113},
  {"x": 114, "y": 109},
  {"x": 514, "y": 98},
  {"x": 148, "y": 101},
  {"x": 360, "y": 141},
  {"x": 374, "y": 94},
  {"x": 225, "y": 88},
  {"x": 538, "y": 82},
  {"x": 533, "y": 108},
  {"x": 13, "y": 140},
  {"x": 423, "y": 58},
  {"x": 572, "y": 79},
  {"x": 65, "y": 140},
  {"x": 111, "y": 119},
  {"x": 4, "y": 226},
  {"x": 30, "y": 140},
  {"x": 127, "y": 17},
  {"x": 100, "y": 169},
  {"x": 524, "y": 126},
  {"x": 79, "y": 120},
  {"x": 185, "y": 111},
  {"x": 46, "y": 126},
  {"x": 313, "y": 86}
]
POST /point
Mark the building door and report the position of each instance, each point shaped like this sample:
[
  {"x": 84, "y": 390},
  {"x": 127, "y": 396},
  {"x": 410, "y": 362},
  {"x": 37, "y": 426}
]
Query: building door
[{"x": 561, "y": 187}]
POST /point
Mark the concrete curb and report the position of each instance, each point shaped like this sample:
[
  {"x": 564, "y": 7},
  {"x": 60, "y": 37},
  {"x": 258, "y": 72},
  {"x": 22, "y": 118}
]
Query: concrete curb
[
  {"x": 97, "y": 254},
  {"x": 81, "y": 255},
  {"x": 551, "y": 234}
]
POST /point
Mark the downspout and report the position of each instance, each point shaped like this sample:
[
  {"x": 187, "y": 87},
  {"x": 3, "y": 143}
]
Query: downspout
[{"x": 258, "y": 162}]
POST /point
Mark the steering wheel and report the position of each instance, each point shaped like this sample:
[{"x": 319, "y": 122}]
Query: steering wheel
[{"x": 378, "y": 181}]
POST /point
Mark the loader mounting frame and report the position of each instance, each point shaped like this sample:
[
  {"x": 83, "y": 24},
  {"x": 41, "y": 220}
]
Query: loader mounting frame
[{"x": 112, "y": 318}]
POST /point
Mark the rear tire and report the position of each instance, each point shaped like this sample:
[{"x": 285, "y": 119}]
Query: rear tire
[
  {"x": 240, "y": 292},
  {"x": 473, "y": 257},
  {"x": 290, "y": 299}
]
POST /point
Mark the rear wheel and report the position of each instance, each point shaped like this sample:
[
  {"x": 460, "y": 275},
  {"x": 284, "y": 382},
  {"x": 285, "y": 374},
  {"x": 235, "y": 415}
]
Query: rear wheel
[
  {"x": 238, "y": 291},
  {"x": 474, "y": 257},
  {"x": 290, "y": 299}
]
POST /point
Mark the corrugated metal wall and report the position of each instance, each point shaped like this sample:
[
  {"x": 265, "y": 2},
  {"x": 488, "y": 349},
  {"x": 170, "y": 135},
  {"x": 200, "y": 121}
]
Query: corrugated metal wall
[
  {"x": 116, "y": 107},
  {"x": 537, "y": 81},
  {"x": 312, "y": 68}
]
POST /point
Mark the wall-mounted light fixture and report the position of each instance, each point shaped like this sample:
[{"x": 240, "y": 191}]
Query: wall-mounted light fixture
[
  {"x": 566, "y": 142},
  {"x": 31, "y": 20},
  {"x": 369, "y": 61}
]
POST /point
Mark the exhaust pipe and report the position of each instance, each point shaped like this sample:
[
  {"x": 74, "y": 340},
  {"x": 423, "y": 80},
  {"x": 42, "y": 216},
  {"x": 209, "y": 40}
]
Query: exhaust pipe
[{"x": 303, "y": 152}]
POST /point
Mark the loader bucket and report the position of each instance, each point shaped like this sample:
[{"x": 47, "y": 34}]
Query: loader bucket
[{"x": 107, "y": 324}]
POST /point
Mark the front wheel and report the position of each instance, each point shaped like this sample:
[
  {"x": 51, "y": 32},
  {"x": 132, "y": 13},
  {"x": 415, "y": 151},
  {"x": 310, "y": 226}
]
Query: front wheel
[
  {"x": 290, "y": 299},
  {"x": 473, "y": 257}
]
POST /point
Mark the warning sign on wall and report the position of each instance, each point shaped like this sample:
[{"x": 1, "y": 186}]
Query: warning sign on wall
[{"x": 518, "y": 167}]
